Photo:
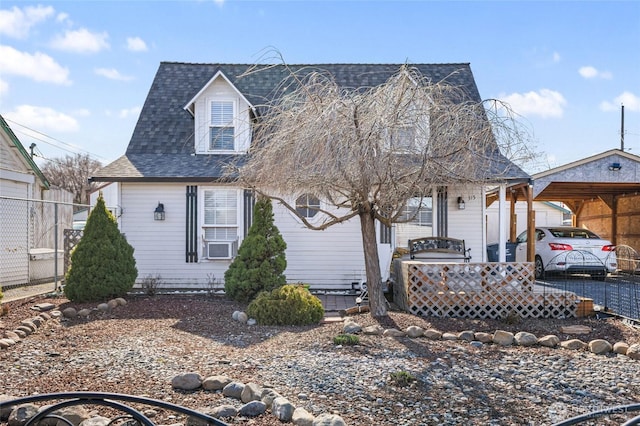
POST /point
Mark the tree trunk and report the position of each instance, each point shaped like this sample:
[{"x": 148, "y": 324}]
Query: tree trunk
[{"x": 377, "y": 301}]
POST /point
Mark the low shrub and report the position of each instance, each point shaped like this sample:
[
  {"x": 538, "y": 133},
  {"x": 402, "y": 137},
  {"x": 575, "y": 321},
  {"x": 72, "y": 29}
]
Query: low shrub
[
  {"x": 286, "y": 305},
  {"x": 402, "y": 378},
  {"x": 346, "y": 340}
]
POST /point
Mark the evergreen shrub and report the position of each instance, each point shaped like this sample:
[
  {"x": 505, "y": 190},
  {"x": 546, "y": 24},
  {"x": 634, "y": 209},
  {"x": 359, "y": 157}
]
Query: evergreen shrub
[
  {"x": 287, "y": 305},
  {"x": 102, "y": 263},
  {"x": 260, "y": 263}
]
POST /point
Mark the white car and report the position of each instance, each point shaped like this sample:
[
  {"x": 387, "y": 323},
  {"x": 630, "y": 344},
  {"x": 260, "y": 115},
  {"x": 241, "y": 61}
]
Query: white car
[{"x": 569, "y": 250}]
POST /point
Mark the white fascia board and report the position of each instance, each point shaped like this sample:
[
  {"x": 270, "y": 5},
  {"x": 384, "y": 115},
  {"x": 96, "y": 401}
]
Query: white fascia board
[
  {"x": 17, "y": 176},
  {"x": 189, "y": 105}
]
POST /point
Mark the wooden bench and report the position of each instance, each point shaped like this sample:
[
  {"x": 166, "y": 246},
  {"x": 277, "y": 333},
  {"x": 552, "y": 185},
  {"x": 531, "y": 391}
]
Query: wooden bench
[{"x": 439, "y": 248}]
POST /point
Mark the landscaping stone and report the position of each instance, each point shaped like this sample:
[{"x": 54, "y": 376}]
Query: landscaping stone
[
  {"x": 575, "y": 329},
  {"x": 483, "y": 337},
  {"x": 233, "y": 390},
  {"x": 600, "y": 346},
  {"x": 574, "y": 344},
  {"x": 523, "y": 338},
  {"x": 302, "y": 417},
  {"x": 449, "y": 336},
  {"x": 550, "y": 341},
  {"x": 373, "y": 330},
  {"x": 251, "y": 392},
  {"x": 351, "y": 327},
  {"x": 633, "y": 351},
  {"x": 282, "y": 409},
  {"x": 503, "y": 338},
  {"x": 328, "y": 420},
  {"x": 187, "y": 381},
  {"x": 252, "y": 409},
  {"x": 214, "y": 383},
  {"x": 393, "y": 332},
  {"x": 433, "y": 334},
  {"x": 620, "y": 348},
  {"x": 467, "y": 335},
  {"x": 414, "y": 331}
]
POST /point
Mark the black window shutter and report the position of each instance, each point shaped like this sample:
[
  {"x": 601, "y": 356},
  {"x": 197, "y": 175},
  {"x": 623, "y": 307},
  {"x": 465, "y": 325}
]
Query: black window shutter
[
  {"x": 249, "y": 201},
  {"x": 443, "y": 212},
  {"x": 192, "y": 224}
]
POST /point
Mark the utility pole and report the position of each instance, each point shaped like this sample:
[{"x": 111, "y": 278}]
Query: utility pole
[{"x": 622, "y": 129}]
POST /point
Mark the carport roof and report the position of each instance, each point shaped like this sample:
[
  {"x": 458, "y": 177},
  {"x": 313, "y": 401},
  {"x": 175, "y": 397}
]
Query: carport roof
[{"x": 608, "y": 174}]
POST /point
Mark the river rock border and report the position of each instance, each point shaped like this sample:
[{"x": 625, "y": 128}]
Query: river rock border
[
  {"x": 499, "y": 337},
  {"x": 257, "y": 400}
]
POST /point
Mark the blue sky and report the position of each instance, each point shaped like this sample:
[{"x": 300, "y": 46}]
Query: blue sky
[{"x": 78, "y": 72}]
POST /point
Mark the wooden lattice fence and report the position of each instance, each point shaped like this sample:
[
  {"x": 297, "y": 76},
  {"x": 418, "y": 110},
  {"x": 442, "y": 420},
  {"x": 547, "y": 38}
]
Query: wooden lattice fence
[
  {"x": 71, "y": 239},
  {"x": 478, "y": 290}
]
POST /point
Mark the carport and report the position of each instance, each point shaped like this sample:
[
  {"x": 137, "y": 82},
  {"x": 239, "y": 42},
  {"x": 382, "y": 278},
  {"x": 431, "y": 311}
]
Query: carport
[{"x": 603, "y": 191}]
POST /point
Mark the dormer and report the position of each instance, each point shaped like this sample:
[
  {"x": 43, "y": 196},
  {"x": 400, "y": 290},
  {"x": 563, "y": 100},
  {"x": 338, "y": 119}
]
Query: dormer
[{"x": 222, "y": 118}]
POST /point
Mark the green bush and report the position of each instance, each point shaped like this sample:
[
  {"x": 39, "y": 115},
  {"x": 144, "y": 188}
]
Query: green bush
[
  {"x": 402, "y": 378},
  {"x": 260, "y": 263},
  {"x": 286, "y": 305},
  {"x": 346, "y": 340},
  {"x": 102, "y": 264}
]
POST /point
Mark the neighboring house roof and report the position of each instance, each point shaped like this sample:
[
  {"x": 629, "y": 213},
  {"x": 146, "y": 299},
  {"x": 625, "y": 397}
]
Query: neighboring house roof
[
  {"x": 23, "y": 154},
  {"x": 613, "y": 172},
  {"x": 162, "y": 146}
]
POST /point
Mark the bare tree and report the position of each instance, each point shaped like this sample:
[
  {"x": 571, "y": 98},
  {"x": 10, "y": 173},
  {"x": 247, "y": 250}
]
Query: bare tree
[
  {"x": 367, "y": 151},
  {"x": 72, "y": 173}
]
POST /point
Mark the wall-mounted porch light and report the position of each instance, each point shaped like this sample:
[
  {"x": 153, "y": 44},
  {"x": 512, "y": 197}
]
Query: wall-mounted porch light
[
  {"x": 158, "y": 213},
  {"x": 461, "y": 205}
]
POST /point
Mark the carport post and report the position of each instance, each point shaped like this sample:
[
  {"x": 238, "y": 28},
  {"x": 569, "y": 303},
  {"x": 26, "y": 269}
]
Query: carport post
[
  {"x": 502, "y": 223},
  {"x": 531, "y": 225}
]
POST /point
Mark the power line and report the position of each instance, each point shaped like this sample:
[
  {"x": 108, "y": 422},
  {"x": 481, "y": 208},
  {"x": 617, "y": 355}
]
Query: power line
[{"x": 74, "y": 149}]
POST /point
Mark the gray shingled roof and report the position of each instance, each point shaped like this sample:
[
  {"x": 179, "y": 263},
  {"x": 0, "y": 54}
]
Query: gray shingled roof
[{"x": 162, "y": 147}]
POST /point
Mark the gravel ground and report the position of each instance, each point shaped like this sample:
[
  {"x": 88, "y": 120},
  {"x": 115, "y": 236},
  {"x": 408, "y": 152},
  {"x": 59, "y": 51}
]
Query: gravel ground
[{"x": 138, "y": 348}]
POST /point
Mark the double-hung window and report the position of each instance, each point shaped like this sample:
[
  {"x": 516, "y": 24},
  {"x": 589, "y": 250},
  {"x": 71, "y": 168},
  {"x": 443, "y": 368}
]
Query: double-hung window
[
  {"x": 220, "y": 223},
  {"x": 419, "y": 211},
  {"x": 221, "y": 127}
]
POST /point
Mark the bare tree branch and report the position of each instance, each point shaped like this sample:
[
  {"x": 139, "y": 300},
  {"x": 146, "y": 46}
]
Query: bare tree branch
[
  {"x": 72, "y": 173},
  {"x": 369, "y": 150}
]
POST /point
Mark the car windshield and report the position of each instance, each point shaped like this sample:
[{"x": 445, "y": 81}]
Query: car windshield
[{"x": 573, "y": 233}]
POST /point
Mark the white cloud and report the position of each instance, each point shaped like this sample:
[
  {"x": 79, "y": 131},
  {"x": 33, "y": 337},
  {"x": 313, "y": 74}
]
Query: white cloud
[
  {"x": 220, "y": 3},
  {"x": 39, "y": 67},
  {"x": 544, "y": 103},
  {"x": 63, "y": 17},
  {"x": 4, "y": 87},
  {"x": 129, "y": 112},
  {"x": 556, "y": 57},
  {"x": 112, "y": 74},
  {"x": 17, "y": 22},
  {"x": 630, "y": 101},
  {"x": 43, "y": 119},
  {"x": 81, "y": 41},
  {"x": 590, "y": 72},
  {"x": 136, "y": 44}
]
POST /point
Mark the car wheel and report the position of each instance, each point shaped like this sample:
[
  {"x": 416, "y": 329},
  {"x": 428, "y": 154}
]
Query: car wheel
[{"x": 539, "y": 268}]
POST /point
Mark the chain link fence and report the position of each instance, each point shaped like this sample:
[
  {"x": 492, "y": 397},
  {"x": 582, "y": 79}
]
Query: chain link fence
[
  {"x": 32, "y": 240},
  {"x": 617, "y": 293}
]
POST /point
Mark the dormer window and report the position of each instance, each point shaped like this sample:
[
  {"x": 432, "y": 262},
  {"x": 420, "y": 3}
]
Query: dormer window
[{"x": 221, "y": 127}]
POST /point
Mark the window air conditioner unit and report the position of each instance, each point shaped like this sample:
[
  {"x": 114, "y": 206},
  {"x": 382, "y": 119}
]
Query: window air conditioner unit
[{"x": 221, "y": 249}]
